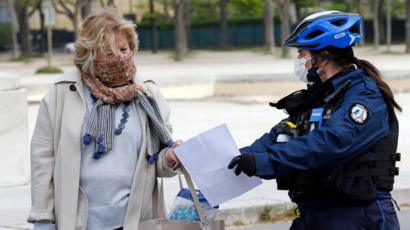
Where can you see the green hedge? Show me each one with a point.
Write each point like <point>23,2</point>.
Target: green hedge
<point>168,24</point>
<point>49,70</point>
<point>5,36</point>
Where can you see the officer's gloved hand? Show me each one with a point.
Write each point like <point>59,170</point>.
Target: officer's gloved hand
<point>244,163</point>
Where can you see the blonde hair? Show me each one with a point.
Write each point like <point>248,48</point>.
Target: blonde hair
<point>99,30</point>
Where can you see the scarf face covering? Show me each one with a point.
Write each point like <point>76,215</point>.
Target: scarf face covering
<point>114,83</point>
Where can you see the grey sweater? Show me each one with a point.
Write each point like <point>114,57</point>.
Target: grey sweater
<point>107,181</point>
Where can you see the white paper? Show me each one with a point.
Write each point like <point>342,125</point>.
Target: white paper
<point>206,158</point>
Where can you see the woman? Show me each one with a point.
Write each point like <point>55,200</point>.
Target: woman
<point>101,137</point>
<point>336,151</point>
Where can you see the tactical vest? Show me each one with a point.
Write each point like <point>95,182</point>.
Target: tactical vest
<point>357,180</point>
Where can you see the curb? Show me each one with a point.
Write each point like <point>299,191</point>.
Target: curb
<point>252,214</point>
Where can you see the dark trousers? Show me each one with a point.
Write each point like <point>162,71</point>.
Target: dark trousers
<point>377,215</point>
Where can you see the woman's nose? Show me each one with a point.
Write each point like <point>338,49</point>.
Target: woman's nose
<point>123,56</point>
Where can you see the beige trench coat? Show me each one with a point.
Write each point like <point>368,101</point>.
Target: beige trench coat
<point>56,159</point>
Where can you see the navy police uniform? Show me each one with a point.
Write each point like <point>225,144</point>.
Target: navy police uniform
<point>339,161</point>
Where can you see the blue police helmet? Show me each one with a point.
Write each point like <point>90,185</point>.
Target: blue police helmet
<point>327,28</point>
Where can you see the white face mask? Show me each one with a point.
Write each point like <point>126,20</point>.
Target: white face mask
<point>300,69</point>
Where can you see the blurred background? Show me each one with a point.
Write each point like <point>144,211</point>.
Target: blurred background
<point>184,25</point>
<point>216,61</point>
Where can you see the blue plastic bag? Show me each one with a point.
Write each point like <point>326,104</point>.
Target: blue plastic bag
<point>183,207</point>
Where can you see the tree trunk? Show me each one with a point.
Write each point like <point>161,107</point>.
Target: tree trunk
<point>359,11</point>
<point>14,29</point>
<point>76,26</point>
<point>25,35</point>
<point>349,4</point>
<point>130,6</point>
<point>407,26</point>
<point>388,24</point>
<point>283,5</point>
<point>165,8</point>
<point>285,28</point>
<point>382,23</point>
<point>74,13</point>
<point>154,38</point>
<point>110,3</point>
<point>298,10</point>
<point>223,23</point>
<point>269,32</point>
<point>43,32</point>
<point>179,28</point>
<point>376,28</point>
<point>86,8</point>
<point>187,24</point>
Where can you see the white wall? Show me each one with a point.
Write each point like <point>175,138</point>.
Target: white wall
<point>14,145</point>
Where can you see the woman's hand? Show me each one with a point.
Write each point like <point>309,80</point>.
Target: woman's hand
<point>171,160</point>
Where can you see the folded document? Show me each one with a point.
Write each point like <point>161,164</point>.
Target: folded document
<point>206,158</point>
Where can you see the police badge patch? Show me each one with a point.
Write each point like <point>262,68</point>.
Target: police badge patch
<point>359,114</point>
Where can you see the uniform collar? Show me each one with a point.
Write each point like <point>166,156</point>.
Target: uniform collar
<point>341,77</point>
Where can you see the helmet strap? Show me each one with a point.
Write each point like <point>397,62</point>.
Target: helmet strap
<point>313,75</point>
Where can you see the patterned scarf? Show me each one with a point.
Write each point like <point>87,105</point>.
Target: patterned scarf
<point>113,82</point>
<point>109,91</point>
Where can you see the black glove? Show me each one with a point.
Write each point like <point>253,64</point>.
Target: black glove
<point>245,163</point>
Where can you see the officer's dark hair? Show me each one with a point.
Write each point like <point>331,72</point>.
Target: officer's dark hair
<point>344,57</point>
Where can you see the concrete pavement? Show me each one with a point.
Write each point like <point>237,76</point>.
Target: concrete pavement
<point>403,216</point>
<point>216,73</point>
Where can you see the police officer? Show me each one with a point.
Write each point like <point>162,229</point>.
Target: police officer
<point>336,152</point>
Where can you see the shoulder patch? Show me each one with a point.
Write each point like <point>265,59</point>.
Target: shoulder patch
<point>359,113</point>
